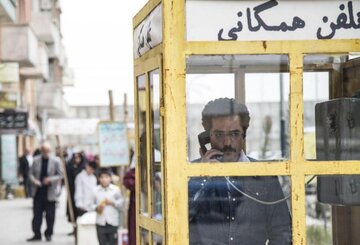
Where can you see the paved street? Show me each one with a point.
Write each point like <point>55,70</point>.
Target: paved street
<point>15,223</point>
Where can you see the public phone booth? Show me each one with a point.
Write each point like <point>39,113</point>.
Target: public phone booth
<point>279,58</point>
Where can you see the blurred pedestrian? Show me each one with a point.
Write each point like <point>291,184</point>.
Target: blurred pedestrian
<point>108,202</point>
<point>70,152</point>
<point>36,152</point>
<point>25,163</point>
<point>45,176</point>
<point>73,168</point>
<point>85,183</point>
<point>129,183</point>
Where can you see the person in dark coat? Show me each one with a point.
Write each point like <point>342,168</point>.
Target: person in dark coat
<point>25,162</point>
<point>73,168</point>
<point>224,210</point>
<point>129,183</point>
<point>45,176</point>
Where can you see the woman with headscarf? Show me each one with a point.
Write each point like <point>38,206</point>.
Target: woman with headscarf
<point>73,168</point>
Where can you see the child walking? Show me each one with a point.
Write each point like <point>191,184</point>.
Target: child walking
<point>108,202</point>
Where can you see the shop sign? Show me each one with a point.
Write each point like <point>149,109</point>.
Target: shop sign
<point>208,20</point>
<point>13,121</point>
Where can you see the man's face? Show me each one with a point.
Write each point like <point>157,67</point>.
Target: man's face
<point>226,135</point>
<point>45,151</point>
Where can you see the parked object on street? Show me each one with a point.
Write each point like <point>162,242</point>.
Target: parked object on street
<point>86,229</point>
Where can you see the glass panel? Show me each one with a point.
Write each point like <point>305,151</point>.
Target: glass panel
<point>333,215</point>
<point>318,217</point>
<point>155,87</point>
<point>142,157</point>
<point>332,210</point>
<point>157,239</point>
<point>144,237</point>
<point>230,89</point>
<point>316,89</point>
<point>268,103</point>
<point>331,127</point>
<point>239,210</point>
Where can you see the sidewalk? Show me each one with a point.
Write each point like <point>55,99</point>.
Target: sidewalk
<point>15,223</point>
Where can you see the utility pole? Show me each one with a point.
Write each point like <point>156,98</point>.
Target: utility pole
<point>111,106</point>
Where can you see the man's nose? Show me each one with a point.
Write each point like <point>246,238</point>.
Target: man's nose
<point>227,140</point>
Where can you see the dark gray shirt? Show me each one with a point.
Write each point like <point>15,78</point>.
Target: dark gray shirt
<point>219,214</point>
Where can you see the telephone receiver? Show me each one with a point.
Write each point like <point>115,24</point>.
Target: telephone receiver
<point>204,139</point>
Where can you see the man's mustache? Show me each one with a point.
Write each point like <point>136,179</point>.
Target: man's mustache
<point>228,149</point>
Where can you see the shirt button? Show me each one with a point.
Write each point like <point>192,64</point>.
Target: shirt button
<point>257,193</point>
<point>227,217</point>
<point>234,199</point>
<point>202,184</point>
<point>233,218</point>
<point>231,238</point>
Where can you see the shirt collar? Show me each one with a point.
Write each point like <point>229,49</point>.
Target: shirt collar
<point>243,157</point>
<point>106,188</point>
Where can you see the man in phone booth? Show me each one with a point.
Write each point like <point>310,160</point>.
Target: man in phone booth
<point>247,210</point>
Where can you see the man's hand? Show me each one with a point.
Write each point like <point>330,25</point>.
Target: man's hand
<point>210,155</point>
<point>37,183</point>
<point>46,181</point>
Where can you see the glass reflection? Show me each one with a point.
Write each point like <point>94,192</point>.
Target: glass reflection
<point>155,91</point>
<point>157,239</point>
<point>144,237</point>
<point>318,217</point>
<point>142,157</point>
<point>238,210</point>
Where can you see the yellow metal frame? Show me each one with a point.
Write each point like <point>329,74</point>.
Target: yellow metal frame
<point>145,66</point>
<point>176,169</point>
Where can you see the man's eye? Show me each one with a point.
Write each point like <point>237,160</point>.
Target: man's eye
<point>219,134</point>
<point>235,134</point>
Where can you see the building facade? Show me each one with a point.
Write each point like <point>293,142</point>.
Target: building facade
<point>32,74</point>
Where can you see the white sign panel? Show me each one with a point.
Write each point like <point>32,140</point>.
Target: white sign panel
<point>113,144</point>
<point>8,159</point>
<point>71,126</point>
<point>149,33</point>
<point>208,20</point>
